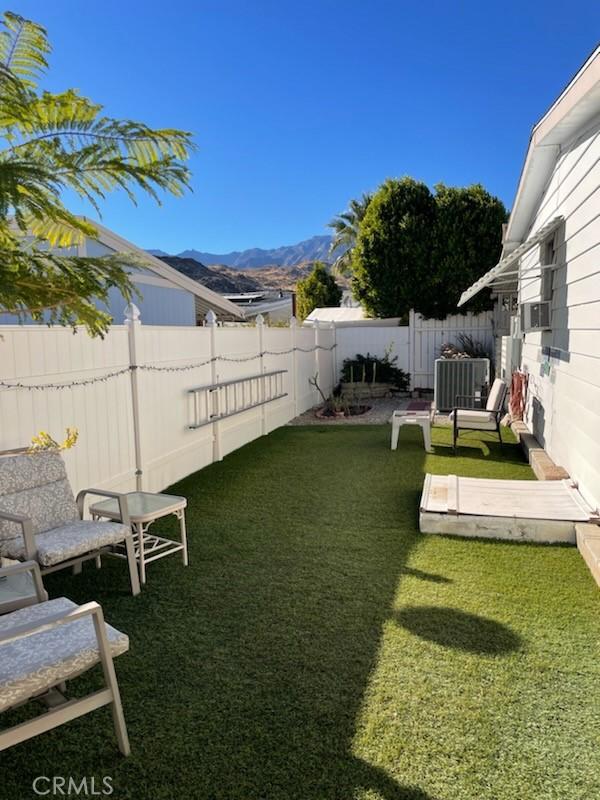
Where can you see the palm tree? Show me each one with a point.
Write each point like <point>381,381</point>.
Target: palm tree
<point>58,142</point>
<point>346,227</point>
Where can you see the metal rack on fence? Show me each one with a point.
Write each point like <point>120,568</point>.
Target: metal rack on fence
<point>214,401</point>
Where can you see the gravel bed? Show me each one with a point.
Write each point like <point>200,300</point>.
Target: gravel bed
<point>380,413</point>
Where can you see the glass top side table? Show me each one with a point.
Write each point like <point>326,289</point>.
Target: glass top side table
<point>144,509</point>
<point>18,589</point>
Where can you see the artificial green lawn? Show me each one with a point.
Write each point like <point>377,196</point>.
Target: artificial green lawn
<point>319,647</point>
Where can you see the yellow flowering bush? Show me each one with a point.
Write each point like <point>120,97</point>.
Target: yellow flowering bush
<point>43,441</point>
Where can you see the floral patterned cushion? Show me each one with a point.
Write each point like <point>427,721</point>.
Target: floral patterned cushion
<point>35,485</point>
<point>34,663</point>
<point>67,541</point>
<point>27,470</point>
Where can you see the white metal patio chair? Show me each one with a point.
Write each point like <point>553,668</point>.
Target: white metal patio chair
<point>44,645</point>
<point>41,521</point>
<point>471,418</point>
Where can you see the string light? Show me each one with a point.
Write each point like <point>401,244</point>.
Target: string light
<point>152,368</point>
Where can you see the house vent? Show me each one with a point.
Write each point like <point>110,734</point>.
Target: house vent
<point>467,377</point>
<point>535,316</point>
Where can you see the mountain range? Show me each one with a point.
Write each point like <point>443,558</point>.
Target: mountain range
<point>314,249</point>
<point>231,280</point>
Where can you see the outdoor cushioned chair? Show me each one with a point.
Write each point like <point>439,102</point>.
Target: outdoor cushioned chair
<point>48,643</point>
<point>40,520</point>
<point>464,418</point>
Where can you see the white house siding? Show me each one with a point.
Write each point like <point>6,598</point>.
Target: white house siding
<point>159,305</point>
<point>564,363</point>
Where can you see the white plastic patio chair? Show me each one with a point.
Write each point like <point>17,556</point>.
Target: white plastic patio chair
<point>40,520</point>
<point>488,419</point>
<point>44,645</point>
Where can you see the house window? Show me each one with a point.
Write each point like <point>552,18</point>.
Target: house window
<point>548,256</point>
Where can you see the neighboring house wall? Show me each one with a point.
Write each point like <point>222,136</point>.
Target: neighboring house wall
<point>166,297</point>
<point>160,302</point>
<point>159,305</point>
<point>563,409</point>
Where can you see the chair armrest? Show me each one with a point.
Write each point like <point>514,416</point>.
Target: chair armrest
<point>26,530</point>
<point>120,496</point>
<point>52,621</point>
<point>28,566</point>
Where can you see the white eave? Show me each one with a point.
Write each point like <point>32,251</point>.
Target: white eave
<point>208,299</point>
<point>573,110</point>
<point>576,106</point>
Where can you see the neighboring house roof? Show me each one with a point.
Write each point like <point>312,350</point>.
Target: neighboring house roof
<point>335,314</point>
<point>268,306</point>
<point>346,316</point>
<point>205,298</point>
<point>575,108</point>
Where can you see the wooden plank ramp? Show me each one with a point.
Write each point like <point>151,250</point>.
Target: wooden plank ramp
<point>533,511</point>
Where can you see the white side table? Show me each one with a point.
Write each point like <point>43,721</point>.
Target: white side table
<point>144,509</point>
<point>420,418</point>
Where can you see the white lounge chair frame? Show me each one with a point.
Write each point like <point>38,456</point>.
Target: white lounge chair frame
<point>61,710</point>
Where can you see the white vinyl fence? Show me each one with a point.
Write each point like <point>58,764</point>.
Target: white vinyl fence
<point>416,345</point>
<point>129,394</point>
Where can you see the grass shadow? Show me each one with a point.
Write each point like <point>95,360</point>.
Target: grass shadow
<point>247,670</point>
<point>426,576</point>
<point>459,630</point>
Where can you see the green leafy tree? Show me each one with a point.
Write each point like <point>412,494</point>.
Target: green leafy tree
<point>346,226</point>
<point>416,250</point>
<point>317,290</point>
<point>392,257</point>
<point>467,243</point>
<point>58,142</point>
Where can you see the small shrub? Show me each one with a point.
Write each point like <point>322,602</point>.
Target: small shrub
<point>370,369</point>
<point>466,347</point>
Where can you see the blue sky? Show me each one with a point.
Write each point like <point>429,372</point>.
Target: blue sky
<point>298,106</point>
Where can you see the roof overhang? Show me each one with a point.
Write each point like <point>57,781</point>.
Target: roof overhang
<point>502,277</point>
<point>208,299</point>
<point>575,108</point>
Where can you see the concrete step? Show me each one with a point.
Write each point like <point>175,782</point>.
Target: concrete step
<point>588,544</point>
<point>542,465</point>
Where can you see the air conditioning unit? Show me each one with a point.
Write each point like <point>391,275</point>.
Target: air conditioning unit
<point>535,316</point>
<point>467,377</point>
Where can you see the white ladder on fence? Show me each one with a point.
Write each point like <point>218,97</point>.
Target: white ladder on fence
<point>214,401</point>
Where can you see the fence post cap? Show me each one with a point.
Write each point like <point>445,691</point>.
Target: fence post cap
<point>210,317</point>
<point>132,313</point>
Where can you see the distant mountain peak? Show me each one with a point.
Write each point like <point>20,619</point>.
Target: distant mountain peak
<point>314,249</point>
